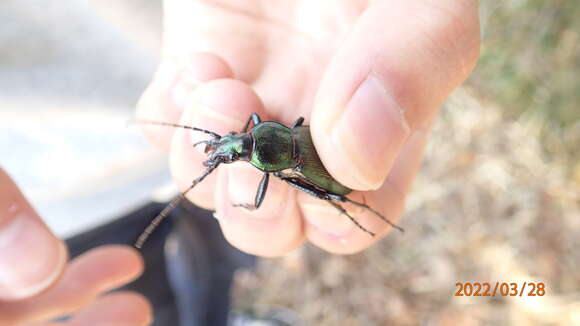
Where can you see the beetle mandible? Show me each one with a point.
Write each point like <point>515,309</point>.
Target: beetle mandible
<point>286,152</point>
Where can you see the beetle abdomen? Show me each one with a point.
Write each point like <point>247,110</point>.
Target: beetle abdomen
<point>273,147</point>
<point>311,166</point>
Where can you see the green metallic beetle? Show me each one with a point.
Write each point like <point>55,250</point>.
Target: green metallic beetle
<point>273,148</point>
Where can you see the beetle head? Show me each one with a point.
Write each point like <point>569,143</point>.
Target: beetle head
<point>228,149</point>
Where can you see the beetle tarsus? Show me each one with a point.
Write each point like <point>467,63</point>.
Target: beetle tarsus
<point>321,194</point>
<point>364,205</point>
<point>249,207</point>
<point>343,211</point>
<point>255,118</point>
<point>297,123</point>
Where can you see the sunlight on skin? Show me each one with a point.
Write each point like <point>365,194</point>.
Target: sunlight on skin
<point>369,78</point>
<point>38,284</point>
<point>85,279</point>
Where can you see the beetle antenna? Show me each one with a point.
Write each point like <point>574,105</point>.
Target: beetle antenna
<point>157,220</point>
<point>158,123</point>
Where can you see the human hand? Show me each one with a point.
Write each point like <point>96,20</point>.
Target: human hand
<point>369,77</point>
<point>37,284</point>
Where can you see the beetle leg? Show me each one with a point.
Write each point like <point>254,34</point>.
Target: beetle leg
<point>301,186</point>
<point>201,142</point>
<point>253,118</point>
<point>321,194</point>
<point>343,211</point>
<point>297,123</point>
<point>259,195</point>
<point>262,190</point>
<point>364,205</point>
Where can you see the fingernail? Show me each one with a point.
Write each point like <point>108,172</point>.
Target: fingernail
<point>31,259</point>
<point>370,133</point>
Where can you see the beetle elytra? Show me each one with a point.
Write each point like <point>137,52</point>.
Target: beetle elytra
<point>286,152</point>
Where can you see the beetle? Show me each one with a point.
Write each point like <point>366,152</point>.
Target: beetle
<point>273,148</point>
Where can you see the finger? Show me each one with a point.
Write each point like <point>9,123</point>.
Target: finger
<point>95,272</point>
<point>223,28</point>
<point>332,231</point>
<point>31,257</point>
<point>220,106</point>
<point>388,78</point>
<point>408,162</point>
<point>116,309</point>
<point>223,106</point>
<point>273,229</point>
<point>121,308</point>
<point>336,233</point>
<point>174,81</point>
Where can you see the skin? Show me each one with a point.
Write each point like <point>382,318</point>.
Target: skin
<point>369,77</point>
<point>222,62</point>
<point>38,283</point>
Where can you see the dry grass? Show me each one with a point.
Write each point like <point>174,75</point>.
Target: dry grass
<point>530,66</point>
<point>487,207</point>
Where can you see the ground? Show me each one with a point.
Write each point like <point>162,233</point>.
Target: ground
<point>489,205</point>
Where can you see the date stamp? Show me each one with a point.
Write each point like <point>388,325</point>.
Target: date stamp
<point>504,289</point>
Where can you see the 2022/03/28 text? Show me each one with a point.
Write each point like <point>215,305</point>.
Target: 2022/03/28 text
<point>504,289</point>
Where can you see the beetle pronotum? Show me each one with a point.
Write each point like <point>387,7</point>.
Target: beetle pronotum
<point>286,152</point>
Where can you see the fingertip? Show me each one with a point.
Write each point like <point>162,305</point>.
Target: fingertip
<point>360,146</point>
<point>344,243</point>
<point>224,104</point>
<point>119,308</point>
<point>379,87</point>
<point>88,276</point>
<point>408,163</point>
<point>242,185</point>
<point>155,104</point>
<point>130,256</point>
<point>335,232</point>
<point>120,264</point>
<point>220,106</point>
<point>31,258</point>
<point>204,66</point>
<point>173,83</point>
<point>272,230</point>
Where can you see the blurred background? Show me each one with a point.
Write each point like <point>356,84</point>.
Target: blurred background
<point>498,198</point>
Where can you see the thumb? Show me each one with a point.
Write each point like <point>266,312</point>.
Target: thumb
<point>387,80</point>
<point>31,257</point>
